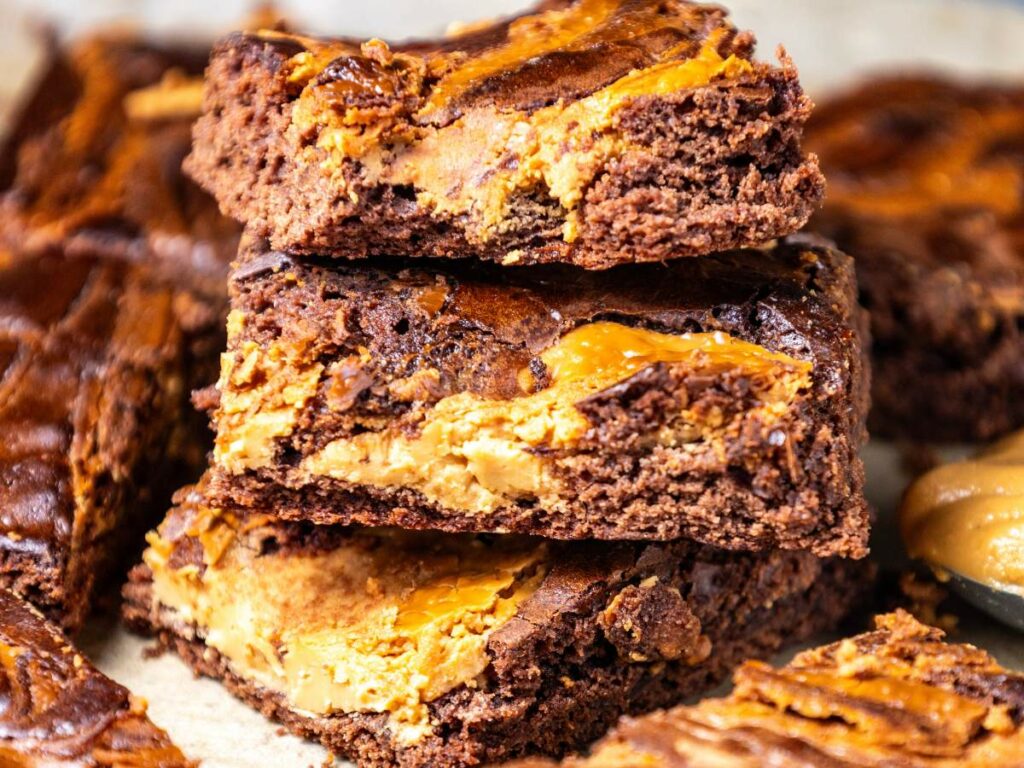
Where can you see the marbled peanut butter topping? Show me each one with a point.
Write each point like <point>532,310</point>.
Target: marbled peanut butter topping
<point>927,155</point>
<point>385,621</point>
<point>968,516</point>
<point>56,709</point>
<point>898,696</point>
<point>535,101</point>
<point>473,452</point>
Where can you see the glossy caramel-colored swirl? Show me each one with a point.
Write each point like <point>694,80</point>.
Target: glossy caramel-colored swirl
<point>908,148</point>
<point>968,517</point>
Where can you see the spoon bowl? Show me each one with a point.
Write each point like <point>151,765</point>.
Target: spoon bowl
<point>1003,605</point>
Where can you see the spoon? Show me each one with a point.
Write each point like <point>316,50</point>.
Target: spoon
<point>1005,605</point>
<point>966,520</point>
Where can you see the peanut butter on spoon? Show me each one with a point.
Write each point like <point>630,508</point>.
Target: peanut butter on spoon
<point>966,519</point>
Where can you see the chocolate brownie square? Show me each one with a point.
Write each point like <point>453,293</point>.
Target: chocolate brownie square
<point>93,397</point>
<point>720,398</point>
<point>926,192</point>
<point>59,710</point>
<point>594,132</point>
<point>896,696</point>
<point>410,648</point>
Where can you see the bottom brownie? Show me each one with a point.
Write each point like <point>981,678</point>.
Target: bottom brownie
<point>898,696</point>
<point>56,709</point>
<point>398,648</point>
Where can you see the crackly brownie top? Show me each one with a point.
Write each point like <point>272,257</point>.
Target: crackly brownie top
<point>790,297</point>
<point>561,51</point>
<point>897,696</point>
<point>69,329</point>
<point>94,157</point>
<point>57,709</point>
<point>898,147</point>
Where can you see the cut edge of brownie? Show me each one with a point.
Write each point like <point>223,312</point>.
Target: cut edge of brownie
<point>593,622</point>
<point>804,493</point>
<point>720,167</point>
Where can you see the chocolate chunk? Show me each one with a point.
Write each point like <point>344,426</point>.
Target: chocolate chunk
<point>652,622</point>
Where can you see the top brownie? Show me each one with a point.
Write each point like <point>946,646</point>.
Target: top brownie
<point>595,133</point>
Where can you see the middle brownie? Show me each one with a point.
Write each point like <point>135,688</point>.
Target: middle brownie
<point>720,399</point>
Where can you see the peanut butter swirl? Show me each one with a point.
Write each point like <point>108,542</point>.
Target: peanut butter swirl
<point>968,517</point>
<point>935,148</point>
<point>476,453</point>
<point>381,621</point>
<point>94,160</point>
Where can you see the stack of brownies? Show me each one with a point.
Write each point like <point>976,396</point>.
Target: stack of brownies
<point>478,506</point>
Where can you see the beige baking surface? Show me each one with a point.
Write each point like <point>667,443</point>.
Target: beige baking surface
<point>831,40</point>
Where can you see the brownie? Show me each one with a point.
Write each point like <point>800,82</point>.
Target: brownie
<point>720,398</point>
<point>897,696</point>
<point>926,192</point>
<point>597,132</point>
<point>92,166</point>
<point>93,369</point>
<point>59,710</point>
<point>93,161</point>
<point>405,648</point>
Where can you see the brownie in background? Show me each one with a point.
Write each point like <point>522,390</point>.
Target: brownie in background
<point>926,192</point>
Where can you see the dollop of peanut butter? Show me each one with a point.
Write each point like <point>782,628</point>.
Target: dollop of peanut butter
<point>968,517</point>
<point>386,621</point>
